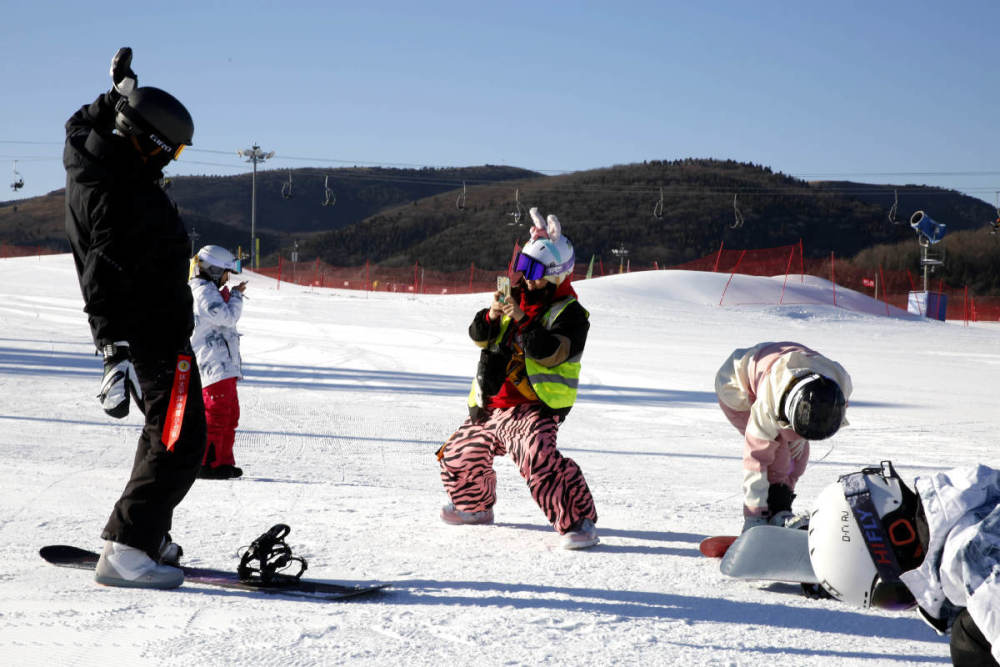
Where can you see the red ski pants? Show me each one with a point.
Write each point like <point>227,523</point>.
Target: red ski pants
<point>556,483</point>
<point>222,416</point>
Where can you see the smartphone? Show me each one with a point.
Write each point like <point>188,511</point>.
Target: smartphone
<point>503,286</point>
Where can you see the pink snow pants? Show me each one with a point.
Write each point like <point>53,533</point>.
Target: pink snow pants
<point>556,483</point>
<point>772,456</point>
<point>222,416</point>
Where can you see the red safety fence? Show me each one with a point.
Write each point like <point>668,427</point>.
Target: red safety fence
<point>892,288</point>
<point>8,250</point>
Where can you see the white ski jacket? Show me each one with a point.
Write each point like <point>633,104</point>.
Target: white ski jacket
<point>962,565</point>
<point>215,340</point>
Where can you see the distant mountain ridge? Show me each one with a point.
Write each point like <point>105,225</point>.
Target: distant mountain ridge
<point>217,208</point>
<point>667,212</point>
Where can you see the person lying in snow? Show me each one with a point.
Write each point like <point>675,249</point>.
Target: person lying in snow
<point>874,542</point>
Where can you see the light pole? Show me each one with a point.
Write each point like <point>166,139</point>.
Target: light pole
<point>254,154</point>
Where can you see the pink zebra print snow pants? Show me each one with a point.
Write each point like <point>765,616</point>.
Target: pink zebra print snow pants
<point>556,482</point>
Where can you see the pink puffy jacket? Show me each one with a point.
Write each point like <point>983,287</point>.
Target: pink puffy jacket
<point>750,386</point>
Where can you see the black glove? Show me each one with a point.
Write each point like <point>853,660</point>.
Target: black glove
<point>119,380</point>
<point>124,79</point>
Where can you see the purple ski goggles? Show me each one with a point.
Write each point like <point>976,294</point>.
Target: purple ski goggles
<point>530,267</point>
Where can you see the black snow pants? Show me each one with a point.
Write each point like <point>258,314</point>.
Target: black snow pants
<point>160,477</point>
<point>969,647</point>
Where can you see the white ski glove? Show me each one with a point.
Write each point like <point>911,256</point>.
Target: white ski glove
<point>119,380</point>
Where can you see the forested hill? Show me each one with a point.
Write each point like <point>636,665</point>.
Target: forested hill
<point>704,202</point>
<point>310,200</point>
<point>665,212</point>
<point>218,208</point>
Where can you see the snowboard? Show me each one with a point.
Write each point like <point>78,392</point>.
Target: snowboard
<point>770,553</point>
<point>716,547</point>
<point>74,557</point>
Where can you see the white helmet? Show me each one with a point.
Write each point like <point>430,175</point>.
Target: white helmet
<point>214,260</point>
<point>548,254</point>
<point>863,535</point>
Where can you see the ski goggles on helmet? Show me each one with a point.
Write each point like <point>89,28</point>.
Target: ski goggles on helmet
<point>891,539</point>
<point>530,267</point>
<point>891,596</point>
<point>152,141</point>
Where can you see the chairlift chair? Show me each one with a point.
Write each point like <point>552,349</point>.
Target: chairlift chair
<point>518,211</point>
<point>18,180</point>
<point>737,214</point>
<point>658,207</point>
<point>286,189</point>
<point>894,209</point>
<point>329,197</point>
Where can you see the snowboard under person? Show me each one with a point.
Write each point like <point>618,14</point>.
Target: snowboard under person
<point>216,344</point>
<point>779,396</point>
<point>131,255</point>
<point>525,385</point>
<point>873,542</point>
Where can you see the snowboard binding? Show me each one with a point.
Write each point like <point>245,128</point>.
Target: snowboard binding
<point>264,562</point>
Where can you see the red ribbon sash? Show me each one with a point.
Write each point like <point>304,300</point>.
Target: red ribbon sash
<point>178,401</point>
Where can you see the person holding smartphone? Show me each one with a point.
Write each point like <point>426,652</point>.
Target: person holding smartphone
<point>526,383</point>
<point>216,342</point>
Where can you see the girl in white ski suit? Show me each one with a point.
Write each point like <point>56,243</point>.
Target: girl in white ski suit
<point>959,578</point>
<point>216,344</point>
<point>750,386</point>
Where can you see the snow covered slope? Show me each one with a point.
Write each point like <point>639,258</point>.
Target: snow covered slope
<point>347,397</point>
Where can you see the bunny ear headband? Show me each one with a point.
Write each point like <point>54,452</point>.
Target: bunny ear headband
<point>550,229</point>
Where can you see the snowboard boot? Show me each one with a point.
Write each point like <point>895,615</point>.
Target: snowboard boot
<point>583,534</point>
<point>790,520</point>
<point>224,471</point>
<point>456,517</point>
<point>170,552</point>
<point>128,567</point>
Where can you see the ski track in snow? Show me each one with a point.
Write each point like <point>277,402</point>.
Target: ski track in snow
<point>346,399</point>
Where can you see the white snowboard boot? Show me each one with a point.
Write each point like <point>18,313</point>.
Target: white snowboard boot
<point>456,517</point>
<point>582,535</point>
<point>128,567</point>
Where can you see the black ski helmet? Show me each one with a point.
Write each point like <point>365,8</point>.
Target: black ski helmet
<point>156,116</point>
<point>814,405</point>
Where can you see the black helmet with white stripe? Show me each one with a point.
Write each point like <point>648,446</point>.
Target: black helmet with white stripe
<point>814,406</point>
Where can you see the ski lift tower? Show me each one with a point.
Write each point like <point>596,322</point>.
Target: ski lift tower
<point>621,252</point>
<point>254,155</point>
<point>929,232</point>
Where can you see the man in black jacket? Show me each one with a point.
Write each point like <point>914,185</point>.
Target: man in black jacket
<point>131,254</point>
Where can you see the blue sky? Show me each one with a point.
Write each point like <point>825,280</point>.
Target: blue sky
<point>885,92</point>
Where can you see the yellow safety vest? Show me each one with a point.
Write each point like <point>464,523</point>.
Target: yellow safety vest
<point>555,386</point>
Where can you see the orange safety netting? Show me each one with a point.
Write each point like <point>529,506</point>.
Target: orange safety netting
<point>889,287</point>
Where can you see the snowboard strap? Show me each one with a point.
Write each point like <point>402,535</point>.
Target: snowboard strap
<point>859,498</point>
<point>263,561</point>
